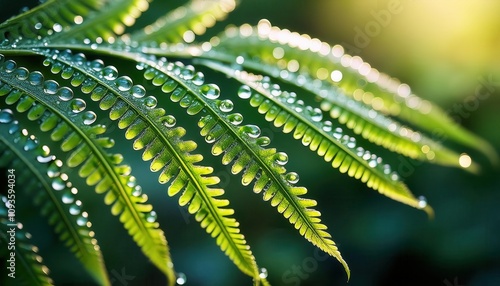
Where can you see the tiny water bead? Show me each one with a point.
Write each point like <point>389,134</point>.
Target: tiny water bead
<point>422,202</point>
<point>6,116</point>
<point>78,105</point>
<point>181,278</point>
<point>210,91</point>
<point>244,92</point>
<point>263,273</point>
<point>151,217</point>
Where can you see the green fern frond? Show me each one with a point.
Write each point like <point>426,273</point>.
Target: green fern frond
<point>45,19</point>
<point>57,200</point>
<point>29,267</point>
<point>184,22</point>
<point>300,54</point>
<point>242,147</point>
<point>65,117</point>
<point>156,133</point>
<point>285,110</point>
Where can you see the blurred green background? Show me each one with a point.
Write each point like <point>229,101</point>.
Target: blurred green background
<point>448,52</point>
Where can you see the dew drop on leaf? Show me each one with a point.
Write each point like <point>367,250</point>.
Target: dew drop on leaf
<point>21,73</point>
<point>263,273</point>
<point>198,78</point>
<point>422,202</point>
<point>110,73</point>
<point>281,158</point>
<point>89,117</point>
<point>292,177</point>
<point>74,209</point>
<point>150,102</point>
<point>210,91</point>
<point>244,92</point>
<point>50,87</point>
<point>58,184</point>
<point>263,141</point>
<point>181,278</point>
<point>138,91</point>
<point>9,66</point>
<point>78,105</point>
<point>81,221</point>
<point>35,78</point>
<point>65,93</point>
<point>67,197</point>
<point>6,116</point>
<point>226,105</point>
<point>168,121</point>
<point>151,217</point>
<point>253,131</point>
<point>327,126</point>
<point>123,83</point>
<point>235,118</point>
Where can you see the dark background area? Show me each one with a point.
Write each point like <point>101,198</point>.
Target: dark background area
<point>446,52</point>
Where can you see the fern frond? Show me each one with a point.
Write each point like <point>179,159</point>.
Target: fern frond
<point>29,266</point>
<point>300,54</point>
<point>242,147</point>
<point>156,133</point>
<point>52,193</point>
<point>184,22</point>
<point>45,19</point>
<point>286,111</point>
<point>65,117</point>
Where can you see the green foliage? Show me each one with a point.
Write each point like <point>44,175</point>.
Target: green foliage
<point>51,74</point>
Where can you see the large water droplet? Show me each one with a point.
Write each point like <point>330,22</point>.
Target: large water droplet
<point>78,105</point>
<point>327,126</point>
<point>30,144</point>
<point>292,177</point>
<point>138,91</point>
<point>315,114</point>
<point>150,102</point>
<point>96,65</point>
<point>50,87</point>
<point>21,73</point>
<point>210,91</point>
<point>337,134</point>
<point>235,118</point>
<point>181,278</point>
<point>81,220</point>
<point>74,209</point>
<point>198,78</point>
<point>67,197</point>
<point>123,83</point>
<point>58,184</point>
<point>110,73</point>
<point>35,78</point>
<point>281,158</point>
<point>6,116</point>
<point>9,66</point>
<point>263,141</point>
<point>244,92</point>
<point>263,273</point>
<point>253,131</point>
<point>422,202</point>
<point>151,217</point>
<point>89,117</point>
<point>64,93</point>
<point>53,170</point>
<point>226,105</point>
<point>137,191</point>
<point>188,72</point>
<point>168,121</point>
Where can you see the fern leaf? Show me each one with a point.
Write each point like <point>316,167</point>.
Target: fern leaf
<point>184,22</point>
<point>286,111</point>
<point>297,53</point>
<point>242,147</point>
<point>58,200</point>
<point>66,118</point>
<point>156,133</point>
<point>29,265</point>
<point>46,19</point>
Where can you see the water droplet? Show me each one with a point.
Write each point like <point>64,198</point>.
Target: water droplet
<point>150,102</point>
<point>210,139</point>
<point>79,59</point>
<point>110,73</point>
<point>315,114</point>
<point>21,73</point>
<point>78,105</point>
<point>138,91</point>
<point>226,105</point>
<point>394,176</point>
<point>53,170</point>
<point>351,143</point>
<point>244,92</point>
<point>292,177</point>
<point>57,27</point>
<point>465,160</point>
<point>181,278</point>
<point>235,118</point>
<point>67,197</point>
<point>35,78</point>
<point>263,141</point>
<point>137,191</point>
<point>89,117</point>
<point>327,126</point>
<point>38,26</point>
<point>422,202</point>
<point>9,66</point>
<point>65,93</point>
<point>30,144</point>
<point>6,116</point>
<point>67,72</point>
<point>188,72</point>
<point>263,273</point>
<point>372,163</point>
<point>50,87</point>
<point>123,83</point>
<point>210,91</point>
<point>168,121</point>
<point>74,209</point>
<point>96,65</point>
<point>337,134</point>
<point>151,217</point>
<point>58,184</point>
<point>281,158</point>
<point>81,221</point>
<point>253,131</point>
<point>198,78</point>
